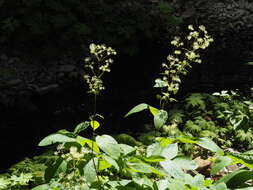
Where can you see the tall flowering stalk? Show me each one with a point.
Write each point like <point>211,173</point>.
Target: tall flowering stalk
<point>96,65</point>
<point>180,61</point>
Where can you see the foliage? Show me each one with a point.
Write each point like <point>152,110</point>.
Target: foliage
<point>219,116</point>
<point>101,162</point>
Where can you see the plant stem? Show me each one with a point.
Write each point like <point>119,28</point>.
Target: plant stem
<point>93,133</point>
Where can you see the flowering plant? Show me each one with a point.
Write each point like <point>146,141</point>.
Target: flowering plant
<point>183,56</point>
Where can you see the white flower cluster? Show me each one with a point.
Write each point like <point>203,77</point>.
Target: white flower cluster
<point>74,154</point>
<point>181,60</point>
<point>96,65</point>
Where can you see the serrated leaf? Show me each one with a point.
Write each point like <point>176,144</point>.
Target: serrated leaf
<point>109,145</point>
<point>94,124</point>
<point>160,119</point>
<point>55,138</point>
<point>137,109</point>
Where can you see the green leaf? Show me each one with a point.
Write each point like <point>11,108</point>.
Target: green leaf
<point>186,139</point>
<point>172,169</point>
<point>143,181</point>
<point>126,149</point>
<point>53,170</point>
<point>139,167</point>
<point>42,187</point>
<point>55,138</point>
<point>210,145</point>
<point>160,119</point>
<point>103,164</point>
<point>81,127</point>
<point>185,163</point>
<point>111,161</point>
<point>170,152</point>
<point>109,145</point>
<point>162,184</point>
<point>137,109</point>
<point>155,158</point>
<point>89,170</point>
<point>94,124</point>
<point>220,163</point>
<point>237,179</point>
<point>92,144</point>
<point>245,162</point>
<point>153,110</point>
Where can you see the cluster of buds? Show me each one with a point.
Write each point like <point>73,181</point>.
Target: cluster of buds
<point>181,59</point>
<point>96,65</point>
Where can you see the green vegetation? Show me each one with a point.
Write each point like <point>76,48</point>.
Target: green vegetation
<point>201,125</point>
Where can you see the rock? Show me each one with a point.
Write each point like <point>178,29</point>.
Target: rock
<point>204,166</point>
<point>47,89</point>
<point>13,82</point>
<point>67,68</point>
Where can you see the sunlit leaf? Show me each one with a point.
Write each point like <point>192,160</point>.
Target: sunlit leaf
<point>94,124</point>
<point>55,138</point>
<point>137,109</point>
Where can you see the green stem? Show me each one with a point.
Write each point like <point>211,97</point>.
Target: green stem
<point>93,133</point>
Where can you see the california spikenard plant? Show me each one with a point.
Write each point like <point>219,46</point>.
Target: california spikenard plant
<point>102,163</point>
<point>186,52</point>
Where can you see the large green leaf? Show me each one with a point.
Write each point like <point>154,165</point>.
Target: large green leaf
<point>220,163</point>
<point>109,145</point>
<point>137,109</point>
<point>237,179</point>
<point>89,170</point>
<point>172,169</point>
<point>139,167</point>
<point>170,151</point>
<point>143,181</point>
<point>160,119</point>
<point>111,161</point>
<point>185,163</point>
<point>162,184</point>
<point>210,145</point>
<point>103,164</point>
<point>92,144</point>
<point>55,138</point>
<point>126,149</point>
